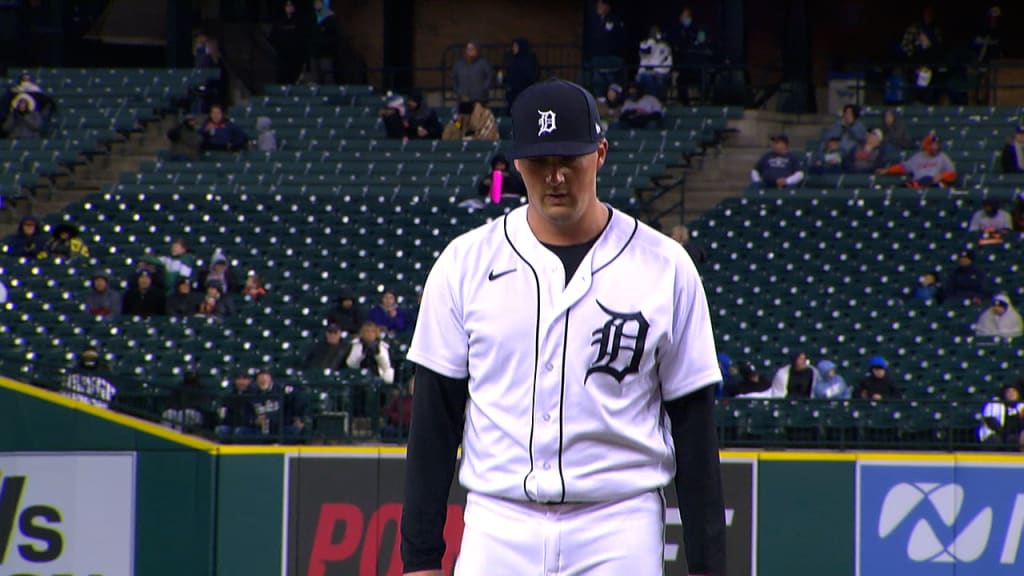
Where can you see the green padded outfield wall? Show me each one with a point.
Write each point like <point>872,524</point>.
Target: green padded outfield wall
<point>193,507</point>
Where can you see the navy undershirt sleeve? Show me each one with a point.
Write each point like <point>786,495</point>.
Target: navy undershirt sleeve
<point>438,418</point>
<point>698,480</point>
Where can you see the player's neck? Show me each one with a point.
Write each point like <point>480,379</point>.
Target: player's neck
<point>588,227</point>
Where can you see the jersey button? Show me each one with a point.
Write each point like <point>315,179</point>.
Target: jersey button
<point>549,366</point>
<point>547,417</point>
<point>547,466</point>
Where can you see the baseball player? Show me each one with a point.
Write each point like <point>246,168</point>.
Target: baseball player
<point>568,348</point>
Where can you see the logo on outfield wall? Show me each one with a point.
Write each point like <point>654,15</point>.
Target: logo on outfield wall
<point>69,514</point>
<point>342,516</point>
<point>932,520</point>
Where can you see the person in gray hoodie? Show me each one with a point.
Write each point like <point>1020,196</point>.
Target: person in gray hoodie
<point>103,300</point>
<point>266,141</point>
<point>830,385</point>
<point>472,75</point>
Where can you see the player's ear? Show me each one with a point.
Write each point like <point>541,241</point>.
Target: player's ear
<point>602,153</point>
<point>516,164</point>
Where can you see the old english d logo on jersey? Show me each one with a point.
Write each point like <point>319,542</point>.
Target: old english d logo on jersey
<point>619,344</point>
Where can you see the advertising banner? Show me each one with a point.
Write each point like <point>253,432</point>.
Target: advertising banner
<point>942,519</point>
<point>342,515</point>
<point>71,514</point>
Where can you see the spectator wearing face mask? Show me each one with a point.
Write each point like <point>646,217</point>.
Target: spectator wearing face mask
<point>655,64</point>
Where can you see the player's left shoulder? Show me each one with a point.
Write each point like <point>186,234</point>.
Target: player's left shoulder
<point>648,243</point>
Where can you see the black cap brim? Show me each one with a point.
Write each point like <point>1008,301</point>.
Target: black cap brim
<point>543,149</point>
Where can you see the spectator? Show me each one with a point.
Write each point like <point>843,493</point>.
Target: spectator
<point>279,410</point>
<point>1001,320</point>
<point>326,354</point>
<point>690,51</point>
<point>324,43</point>
<point>90,381</point>
<point>472,76</point>
<point>266,139</point>
<point>829,159</point>
<point>186,142</point>
<point>220,274</point>
<point>830,385</point>
<point>28,241</point>
<point>731,378</point>
<point>221,133</point>
<point>237,409</point>
<point>1002,419</point>
<point>927,291</point>
<point>511,181</point>
<point>473,122</point>
<point>968,281</point>
<point>288,37</point>
<point>3,293</point>
<point>871,157</point>
<point>348,315</point>
<point>877,385</point>
<point>183,302</point>
<point>208,56</point>
<point>180,264</point>
<point>929,167</point>
<point>144,299</point>
<point>206,52</point>
<point>848,128</point>
<point>655,64</point>
<point>521,69</point>
<point>216,304</point>
<point>894,131</point>
<point>423,122</point>
<point>753,384</point>
<point>796,379</point>
<point>922,47</point>
<point>778,168</point>
<point>368,352</point>
<point>253,288</point>
<point>23,122</point>
<point>609,106</point>
<point>1012,157</point>
<point>1017,216</point>
<point>66,243</point>
<point>681,234</point>
<point>155,268</point>
<point>103,300</point>
<point>602,45</point>
<point>641,110</point>
<point>27,85</point>
<point>388,315</point>
<point>396,123</point>
<point>988,41</point>
<point>990,218</point>
<point>186,410</point>
<point>398,414</point>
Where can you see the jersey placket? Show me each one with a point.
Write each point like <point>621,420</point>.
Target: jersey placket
<point>547,482</point>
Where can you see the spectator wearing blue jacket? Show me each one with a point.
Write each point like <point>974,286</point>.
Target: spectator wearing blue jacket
<point>388,315</point>
<point>849,129</point>
<point>221,133</point>
<point>778,168</point>
<point>831,385</point>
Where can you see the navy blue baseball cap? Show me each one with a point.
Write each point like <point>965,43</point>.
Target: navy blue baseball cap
<point>555,118</point>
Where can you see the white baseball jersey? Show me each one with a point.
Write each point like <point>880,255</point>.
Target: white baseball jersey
<point>566,381</point>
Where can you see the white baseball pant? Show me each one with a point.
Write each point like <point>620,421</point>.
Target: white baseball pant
<point>503,537</point>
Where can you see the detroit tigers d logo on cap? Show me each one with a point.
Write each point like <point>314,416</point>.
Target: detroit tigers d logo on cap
<point>546,122</point>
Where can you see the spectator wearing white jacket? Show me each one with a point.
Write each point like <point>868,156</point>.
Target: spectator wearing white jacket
<point>655,64</point>
<point>796,379</point>
<point>368,352</point>
<point>1001,320</point>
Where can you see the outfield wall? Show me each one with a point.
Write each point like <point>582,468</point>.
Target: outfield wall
<point>84,491</point>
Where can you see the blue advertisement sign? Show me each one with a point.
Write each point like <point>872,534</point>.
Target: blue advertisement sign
<point>939,519</point>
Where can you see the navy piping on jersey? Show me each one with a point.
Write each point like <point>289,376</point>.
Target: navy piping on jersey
<point>636,226</point>
<point>536,354</point>
<point>561,406</point>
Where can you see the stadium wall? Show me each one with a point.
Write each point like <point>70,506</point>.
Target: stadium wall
<point>166,503</point>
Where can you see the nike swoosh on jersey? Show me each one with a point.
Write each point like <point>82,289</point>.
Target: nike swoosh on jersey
<point>492,276</point>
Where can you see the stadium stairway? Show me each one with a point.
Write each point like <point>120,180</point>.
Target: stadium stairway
<point>88,178</point>
<point>725,171</point>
